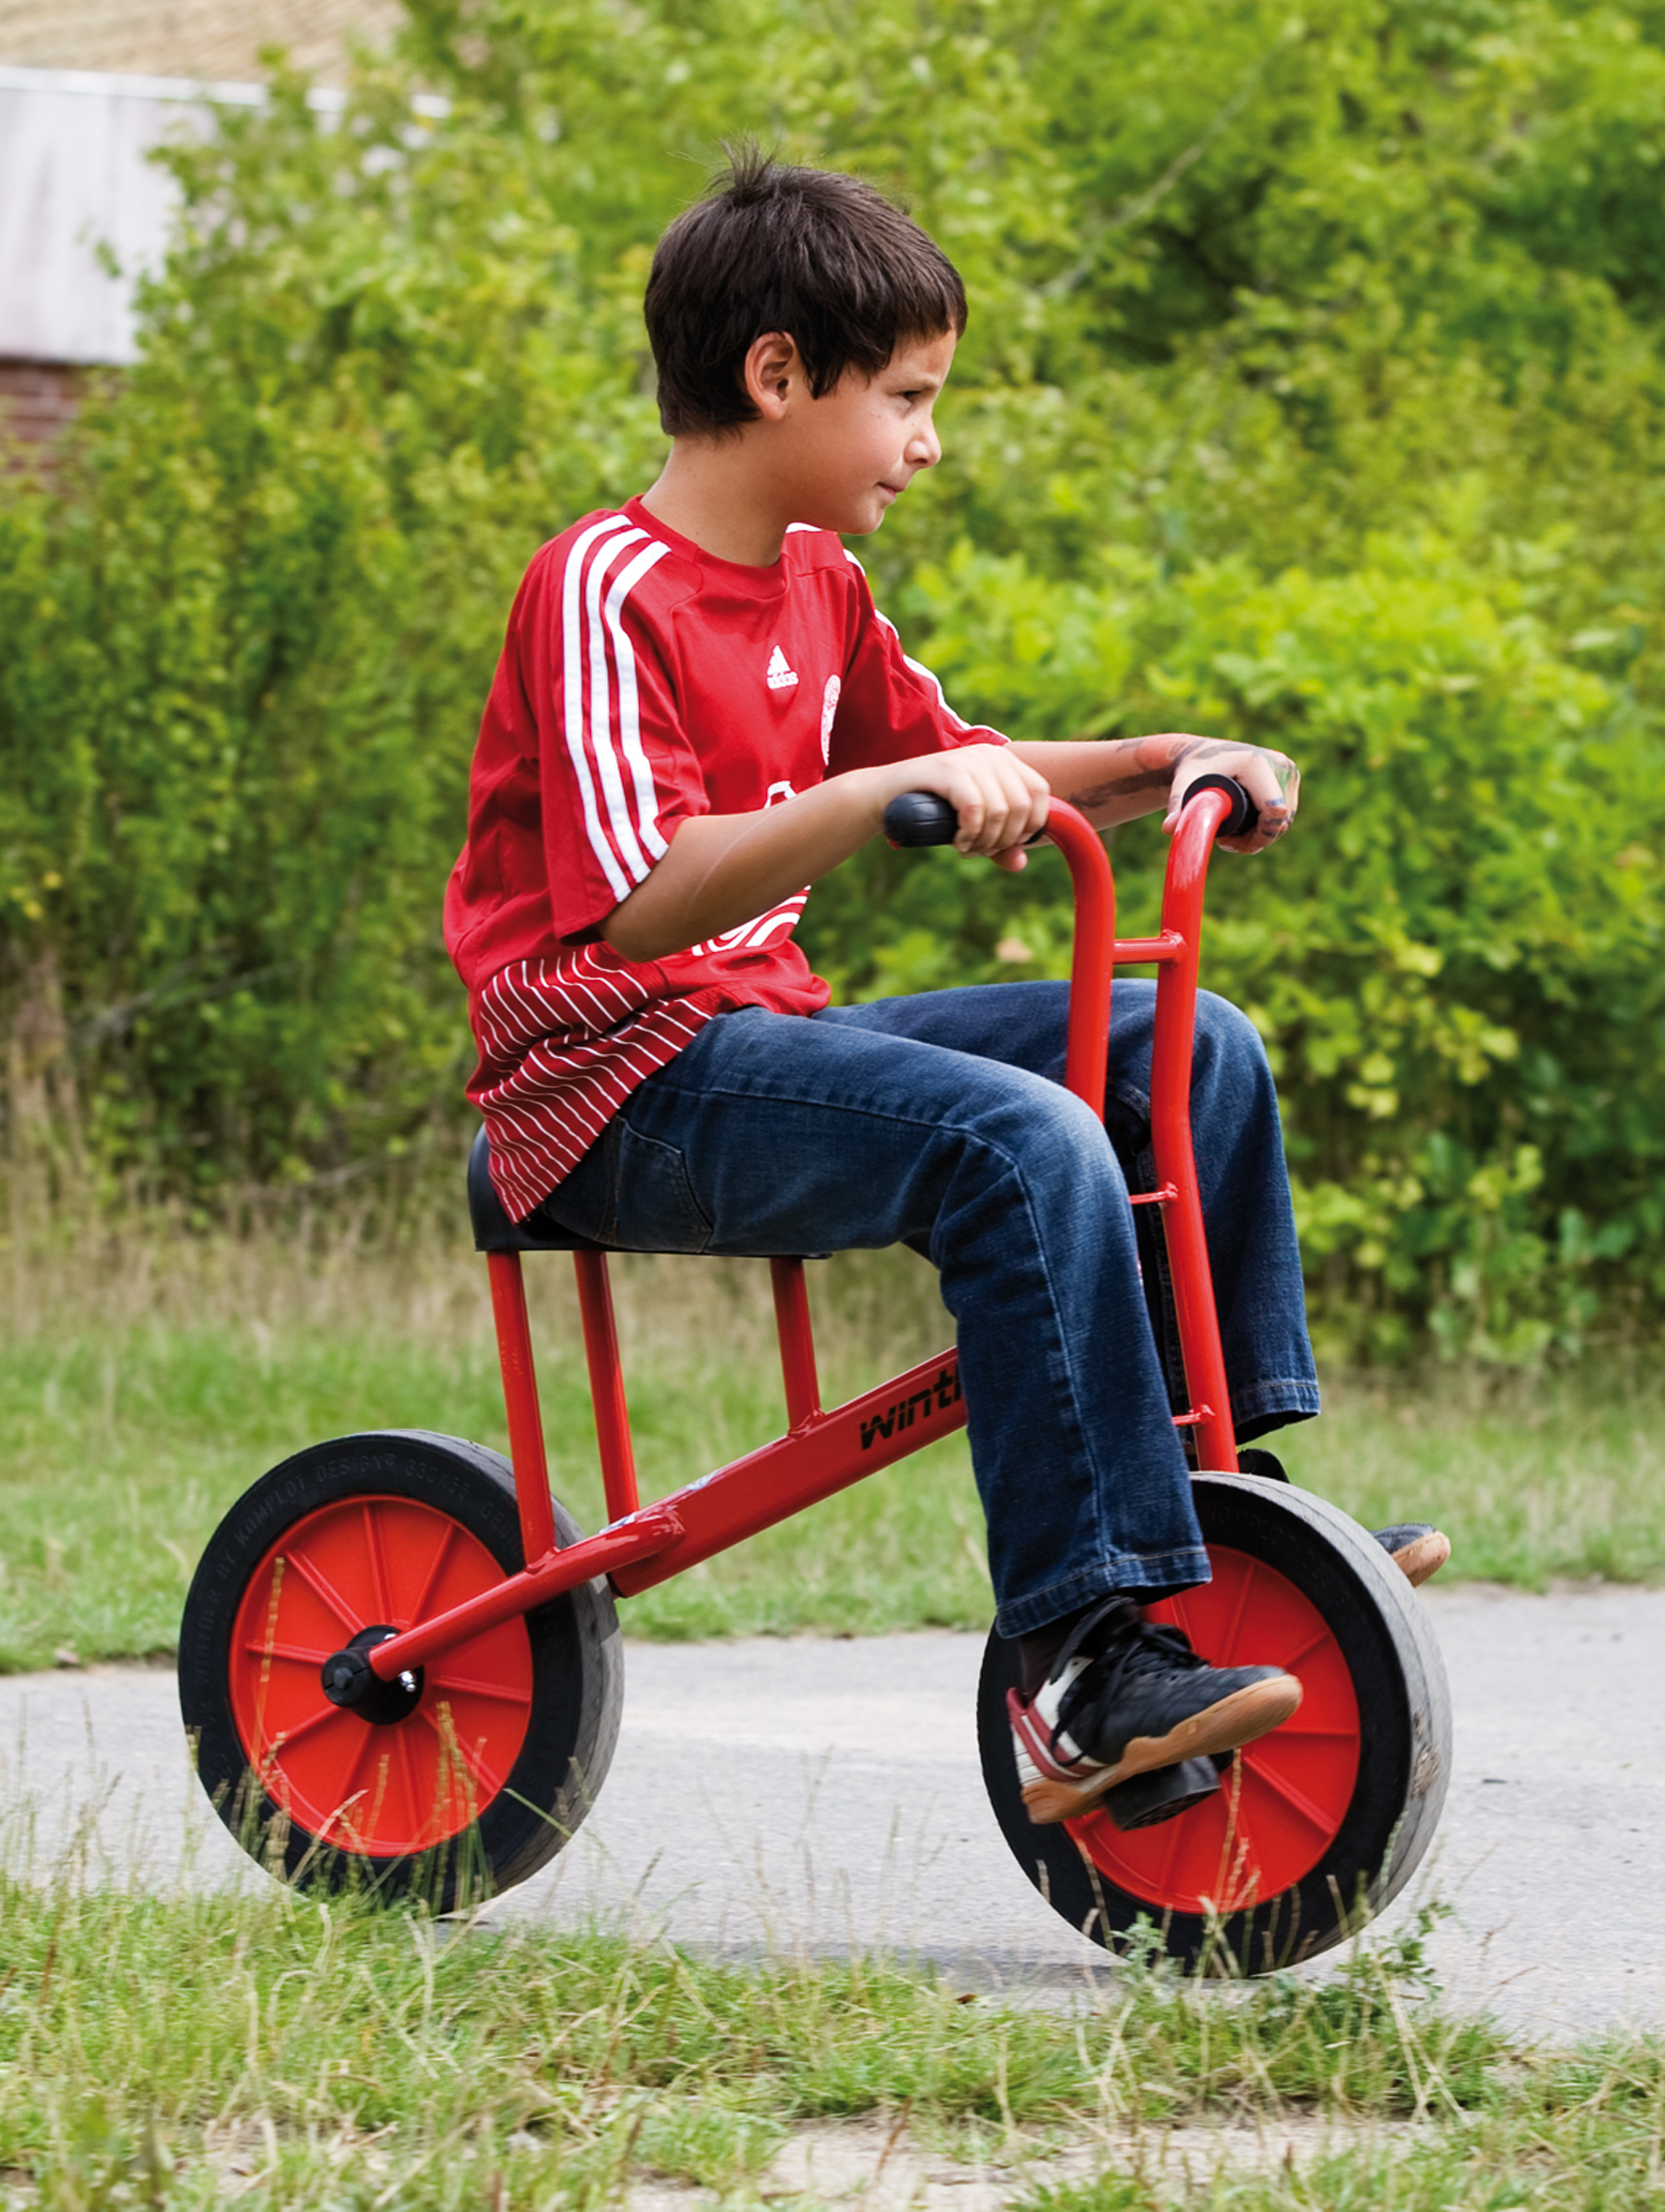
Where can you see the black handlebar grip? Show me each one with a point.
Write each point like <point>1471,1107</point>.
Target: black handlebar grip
<point>920,817</point>
<point>1244,817</point>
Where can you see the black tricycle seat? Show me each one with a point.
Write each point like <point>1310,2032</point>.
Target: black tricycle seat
<point>494,1231</point>
<point>539,1231</point>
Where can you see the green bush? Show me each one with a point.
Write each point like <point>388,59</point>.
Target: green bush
<point>1313,392</point>
<point>1455,963</point>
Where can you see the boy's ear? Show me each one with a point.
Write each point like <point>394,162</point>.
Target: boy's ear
<point>772,369</point>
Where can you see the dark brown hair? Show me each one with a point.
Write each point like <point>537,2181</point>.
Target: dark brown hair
<point>817,254</point>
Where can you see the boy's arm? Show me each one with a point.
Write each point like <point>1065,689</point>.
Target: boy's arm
<point>1113,779</point>
<point>722,869</point>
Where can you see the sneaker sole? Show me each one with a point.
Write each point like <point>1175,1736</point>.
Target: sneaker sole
<point>1424,1558</point>
<point>1242,1718</point>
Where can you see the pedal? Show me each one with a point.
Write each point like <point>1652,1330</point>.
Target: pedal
<point>1144,1800</point>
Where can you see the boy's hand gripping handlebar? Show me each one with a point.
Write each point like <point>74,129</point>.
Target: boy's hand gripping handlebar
<point>1244,817</point>
<point>921,818</point>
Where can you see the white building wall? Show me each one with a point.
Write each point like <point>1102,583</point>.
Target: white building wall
<point>74,180</point>
<point>76,186</point>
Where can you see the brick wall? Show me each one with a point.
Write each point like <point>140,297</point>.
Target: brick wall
<point>37,399</point>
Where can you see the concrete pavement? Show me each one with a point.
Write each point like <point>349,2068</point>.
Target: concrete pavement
<point>826,1794</point>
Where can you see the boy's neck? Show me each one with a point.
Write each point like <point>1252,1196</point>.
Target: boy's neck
<point>719,492</point>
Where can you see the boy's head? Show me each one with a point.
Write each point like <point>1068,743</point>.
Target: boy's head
<point>817,256</point>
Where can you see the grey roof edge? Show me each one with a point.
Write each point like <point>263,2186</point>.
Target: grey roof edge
<point>323,99</point>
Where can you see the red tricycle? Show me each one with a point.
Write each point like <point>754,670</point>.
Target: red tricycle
<point>400,1660</point>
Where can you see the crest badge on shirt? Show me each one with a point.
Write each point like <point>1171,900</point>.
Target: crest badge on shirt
<point>830,698</point>
<point>782,675</point>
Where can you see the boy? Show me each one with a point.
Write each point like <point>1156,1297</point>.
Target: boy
<point>699,712</point>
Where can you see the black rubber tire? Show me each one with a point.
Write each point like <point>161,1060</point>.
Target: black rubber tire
<point>1398,1678</point>
<point>577,1673</point>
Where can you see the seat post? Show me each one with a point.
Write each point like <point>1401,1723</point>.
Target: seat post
<point>607,1390</point>
<point>797,1344</point>
<point>519,1402</point>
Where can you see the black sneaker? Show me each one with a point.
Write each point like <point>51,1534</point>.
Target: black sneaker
<point>1416,1547</point>
<point>1125,1697</point>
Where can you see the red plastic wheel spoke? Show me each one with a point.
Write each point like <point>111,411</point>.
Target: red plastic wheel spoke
<point>302,1654</point>
<point>379,1820</point>
<point>1227,1646</point>
<point>449,1685</point>
<point>442,1553</point>
<point>472,1760</point>
<point>298,1731</point>
<point>377,1567</point>
<point>1298,1802</point>
<point>420,1815</point>
<point>348,1781</point>
<point>323,1588</point>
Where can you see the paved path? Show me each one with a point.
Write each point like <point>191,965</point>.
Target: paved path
<point>827,1794</point>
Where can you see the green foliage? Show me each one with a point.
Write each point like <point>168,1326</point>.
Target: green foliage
<point>1313,392</point>
<point>1455,962</point>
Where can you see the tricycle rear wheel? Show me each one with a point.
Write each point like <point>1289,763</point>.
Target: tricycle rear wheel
<point>482,1767</point>
<point>1315,1827</point>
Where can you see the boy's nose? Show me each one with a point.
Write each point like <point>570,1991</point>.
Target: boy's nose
<point>925,448</point>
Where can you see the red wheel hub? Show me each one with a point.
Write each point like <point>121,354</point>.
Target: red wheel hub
<point>1283,1798</point>
<point>390,1790</point>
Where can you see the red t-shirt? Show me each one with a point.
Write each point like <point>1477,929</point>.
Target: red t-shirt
<point>643,682</point>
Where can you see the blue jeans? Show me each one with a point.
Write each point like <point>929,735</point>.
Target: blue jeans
<point>941,1122</point>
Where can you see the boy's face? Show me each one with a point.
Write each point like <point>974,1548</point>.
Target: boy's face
<point>845,458</point>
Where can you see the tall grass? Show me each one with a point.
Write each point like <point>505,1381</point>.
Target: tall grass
<point>180,2051</point>
<point>272,2051</point>
<point>149,1372</point>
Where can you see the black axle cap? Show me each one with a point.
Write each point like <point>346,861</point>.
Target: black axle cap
<point>350,1682</point>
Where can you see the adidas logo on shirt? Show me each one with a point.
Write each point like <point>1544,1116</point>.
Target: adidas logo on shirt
<point>780,678</point>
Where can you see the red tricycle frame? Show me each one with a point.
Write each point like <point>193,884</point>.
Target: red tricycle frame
<point>825,1450</point>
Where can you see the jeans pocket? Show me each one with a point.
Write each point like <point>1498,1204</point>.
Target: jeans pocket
<point>654,1208</point>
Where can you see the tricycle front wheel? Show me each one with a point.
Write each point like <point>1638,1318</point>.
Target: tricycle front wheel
<point>474,1770</point>
<point>1316,1826</point>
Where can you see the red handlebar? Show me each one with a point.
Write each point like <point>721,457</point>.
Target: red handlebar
<point>1091,963</point>
<point>1175,951</point>
<point>1209,1412</point>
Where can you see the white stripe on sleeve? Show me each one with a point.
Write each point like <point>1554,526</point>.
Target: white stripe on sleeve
<point>572,685</point>
<point>629,712</point>
<point>601,746</point>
